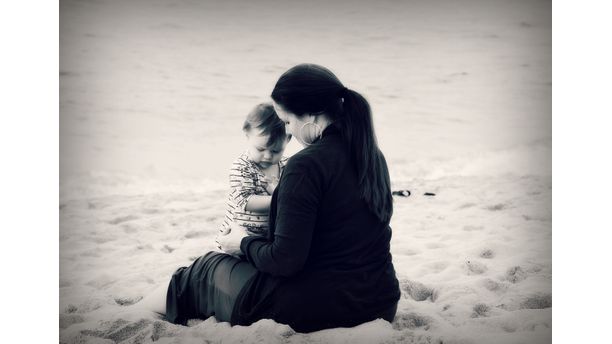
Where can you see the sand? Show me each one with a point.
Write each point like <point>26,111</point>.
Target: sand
<point>152,98</point>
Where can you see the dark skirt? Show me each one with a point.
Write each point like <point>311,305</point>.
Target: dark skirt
<point>317,300</point>
<point>232,290</point>
<point>208,287</point>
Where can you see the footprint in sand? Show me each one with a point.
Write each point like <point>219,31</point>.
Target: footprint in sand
<point>418,291</point>
<point>515,274</point>
<point>510,328</point>
<point>120,330</point>
<point>537,301</point>
<point>70,309</point>
<point>112,326</point>
<point>411,321</point>
<point>475,268</point>
<point>534,269</point>
<point>162,329</point>
<point>480,310</point>
<point>487,254</point>
<point>533,301</point>
<point>66,320</point>
<point>126,301</point>
<point>492,285</point>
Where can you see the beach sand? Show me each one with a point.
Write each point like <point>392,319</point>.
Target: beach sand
<point>152,99</point>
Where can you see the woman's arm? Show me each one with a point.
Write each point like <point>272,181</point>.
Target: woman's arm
<point>297,201</point>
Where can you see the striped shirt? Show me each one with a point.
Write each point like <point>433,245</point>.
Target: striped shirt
<point>246,180</point>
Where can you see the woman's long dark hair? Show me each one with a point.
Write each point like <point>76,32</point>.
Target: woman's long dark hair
<point>312,89</point>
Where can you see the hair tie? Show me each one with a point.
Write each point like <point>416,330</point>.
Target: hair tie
<point>343,92</point>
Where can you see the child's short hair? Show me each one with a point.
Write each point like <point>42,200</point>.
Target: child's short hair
<point>264,117</point>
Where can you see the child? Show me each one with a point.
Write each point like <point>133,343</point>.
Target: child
<point>255,174</point>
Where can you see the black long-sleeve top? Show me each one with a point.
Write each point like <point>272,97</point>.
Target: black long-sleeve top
<point>326,261</point>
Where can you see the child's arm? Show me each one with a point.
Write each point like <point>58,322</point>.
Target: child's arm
<point>261,203</point>
<point>258,203</point>
<point>244,191</point>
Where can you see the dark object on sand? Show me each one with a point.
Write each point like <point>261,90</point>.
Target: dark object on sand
<point>429,194</point>
<point>403,193</point>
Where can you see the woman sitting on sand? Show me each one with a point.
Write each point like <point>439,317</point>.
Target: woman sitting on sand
<point>326,261</point>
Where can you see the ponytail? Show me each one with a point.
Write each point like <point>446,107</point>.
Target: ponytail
<point>373,175</point>
<point>313,89</point>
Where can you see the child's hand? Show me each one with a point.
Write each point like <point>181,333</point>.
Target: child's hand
<point>270,188</point>
<point>230,243</point>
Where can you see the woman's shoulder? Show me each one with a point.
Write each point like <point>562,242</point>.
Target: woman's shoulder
<point>322,158</point>
<point>298,161</point>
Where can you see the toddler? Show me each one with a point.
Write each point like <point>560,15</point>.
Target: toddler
<point>255,173</point>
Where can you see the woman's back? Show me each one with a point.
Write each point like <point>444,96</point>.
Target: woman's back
<point>347,236</point>
<point>343,275</point>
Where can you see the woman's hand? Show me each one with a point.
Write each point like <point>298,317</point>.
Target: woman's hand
<point>230,243</point>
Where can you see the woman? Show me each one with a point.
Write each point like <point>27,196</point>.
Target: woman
<point>326,261</point>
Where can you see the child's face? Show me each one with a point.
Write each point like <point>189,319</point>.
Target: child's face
<point>260,153</point>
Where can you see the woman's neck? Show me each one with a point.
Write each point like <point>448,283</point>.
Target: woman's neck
<point>322,121</point>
